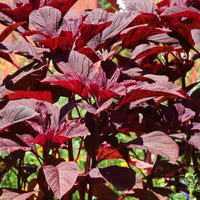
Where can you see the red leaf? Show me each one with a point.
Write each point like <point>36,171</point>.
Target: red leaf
<point>9,29</point>
<point>88,31</point>
<point>55,43</point>
<point>139,95</point>
<point>29,33</point>
<point>75,86</point>
<point>138,35</point>
<point>153,50</point>
<point>147,18</point>
<point>156,142</point>
<point>61,178</point>
<point>20,14</point>
<point>89,53</point>
<point>63,5</point>
<point>40,95</point>
<point>40,139</point>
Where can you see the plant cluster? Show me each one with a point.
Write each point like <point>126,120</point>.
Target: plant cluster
<point>120,69</point>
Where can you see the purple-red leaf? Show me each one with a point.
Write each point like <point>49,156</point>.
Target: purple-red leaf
<point>68,130</point>
<point>78,62</point>
<point>39,20</point>
<point>194,140</point>
<point>156,142</point>
<point>121,178</point>
<point>10,145</point>
<point>143,6</point>
<point>119,22</point>
<point>95,111</point>
<point>23,48</point>
<point>15,114</point>
<point>61,178</point>
<point>14,194</point>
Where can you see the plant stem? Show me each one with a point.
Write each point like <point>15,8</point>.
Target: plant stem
<point>70,150</point>
<point>149,180</point>
<point>94,153</point>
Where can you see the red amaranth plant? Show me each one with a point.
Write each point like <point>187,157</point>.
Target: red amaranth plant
<point>120,69</point>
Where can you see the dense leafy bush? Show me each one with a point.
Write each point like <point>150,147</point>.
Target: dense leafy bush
<point>107,82</point>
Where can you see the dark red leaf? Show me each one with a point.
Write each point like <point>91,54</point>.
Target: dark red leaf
<point>27,78</point>
<point>61,178</point>
<point>90,54</point>
<point>156,142</point>
<point>141,194</point>
<point>147,18</point>
<point>104,192</point>
<point>110,174</point>
<point>64,110</point>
